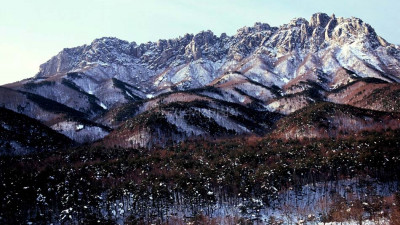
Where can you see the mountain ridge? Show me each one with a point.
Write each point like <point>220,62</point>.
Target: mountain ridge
<point>262,68</point>
<point>193,41</point>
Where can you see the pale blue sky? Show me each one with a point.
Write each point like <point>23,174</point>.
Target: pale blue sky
<point>32,31</point>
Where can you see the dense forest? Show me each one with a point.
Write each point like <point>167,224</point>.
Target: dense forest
<point>247,180</point>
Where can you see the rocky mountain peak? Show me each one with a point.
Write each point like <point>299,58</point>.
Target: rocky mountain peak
<point>261,26</point>
<point>204,37</point>
<point>297,22</point>
<point>258,27</point>
<point>108,41</point>
<point>319,20</point>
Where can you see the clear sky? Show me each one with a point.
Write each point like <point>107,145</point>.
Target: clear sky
<point>32,31</point>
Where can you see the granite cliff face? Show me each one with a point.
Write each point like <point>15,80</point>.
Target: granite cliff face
<point>263,68</point>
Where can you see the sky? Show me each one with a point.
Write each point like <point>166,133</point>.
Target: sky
<point>31,32</point>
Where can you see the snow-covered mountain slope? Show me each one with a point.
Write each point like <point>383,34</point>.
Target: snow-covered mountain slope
<point>20,134</point>
<point>280,69</point>
<point>68,121</point>
<point>175,117</point>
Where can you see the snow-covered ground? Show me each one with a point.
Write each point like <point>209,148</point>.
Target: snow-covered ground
<point>306,205</point>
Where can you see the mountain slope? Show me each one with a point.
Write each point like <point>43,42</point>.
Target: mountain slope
<point>328,120</point>
<point>20,134</point>
<point>369,93</point>
<point>68,121</point>
<point>175,117</point>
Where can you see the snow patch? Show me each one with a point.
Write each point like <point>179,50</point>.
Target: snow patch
<point>84,135</point>
<point>127,93</point>
<point>5,126</point>
<point>285,80</point>
<point>273,106</point>
<point>103,106</point>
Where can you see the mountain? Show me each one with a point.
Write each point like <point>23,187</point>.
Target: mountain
<point>205,85</point>
<point>20,134</point>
